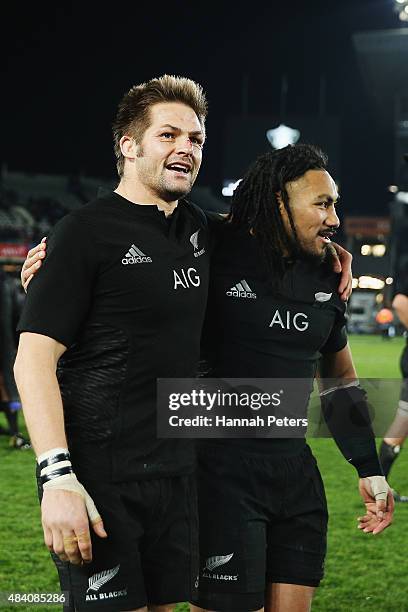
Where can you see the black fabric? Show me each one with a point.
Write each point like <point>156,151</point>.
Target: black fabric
<point>262,519</point>
<point>347,415</point>
<point>256,328</point>
<point>125,290</point>
<point>152,541</point>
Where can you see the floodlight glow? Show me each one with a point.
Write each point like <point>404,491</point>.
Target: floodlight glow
<point>378,250</point>
<point>370,282</point>
<point>230,188</point>
<point>402,196</point>
<point>403,16</point>
<point>366,249</point>
<point>401,1</point>
<point>389,280</point>
<point>393,188</point>
<point>354,283</point>
<point>406,8</point>
<point>379,298</point>
<point>282,136</point>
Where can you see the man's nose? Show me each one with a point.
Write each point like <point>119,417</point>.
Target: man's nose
<point>184,145</point>
<point>332,218</point>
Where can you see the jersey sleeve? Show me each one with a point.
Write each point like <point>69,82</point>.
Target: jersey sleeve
<point>337,339</point>
<point>59,296</point>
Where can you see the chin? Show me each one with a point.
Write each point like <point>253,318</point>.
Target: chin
<point>170,194</point>
<point>315,256</point>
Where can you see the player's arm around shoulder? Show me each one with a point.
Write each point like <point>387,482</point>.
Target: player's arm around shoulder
<point>32,263</point>
<point>400,305</point>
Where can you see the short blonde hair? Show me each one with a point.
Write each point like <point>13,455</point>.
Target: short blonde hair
<point>133,114</point>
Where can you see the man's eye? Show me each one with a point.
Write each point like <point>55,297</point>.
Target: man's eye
<point>167,135</point>
<point>197,141</point>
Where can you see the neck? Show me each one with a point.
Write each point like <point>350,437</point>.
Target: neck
<point>138,194</point>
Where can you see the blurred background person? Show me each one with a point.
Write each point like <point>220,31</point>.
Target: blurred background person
<point>395,437</point>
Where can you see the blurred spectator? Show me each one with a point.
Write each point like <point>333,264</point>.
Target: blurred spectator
<point>384,319</point>
<point>10,307</point>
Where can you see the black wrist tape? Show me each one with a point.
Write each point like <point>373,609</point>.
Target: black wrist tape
<point>54,459</point>
<point>56,474</point>
<point>347,415</point>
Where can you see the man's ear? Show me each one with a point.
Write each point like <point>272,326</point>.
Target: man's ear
<point>128,147</point>
<point>280,202</point>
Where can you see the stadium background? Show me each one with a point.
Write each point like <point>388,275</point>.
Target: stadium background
<point>335,71</point>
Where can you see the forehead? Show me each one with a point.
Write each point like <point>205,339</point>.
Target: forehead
<point>176,114</point>
<point>312,184</point>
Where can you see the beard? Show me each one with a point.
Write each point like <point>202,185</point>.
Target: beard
<point>169,192</point>
<point>306,251</point>
<point>162,185</point>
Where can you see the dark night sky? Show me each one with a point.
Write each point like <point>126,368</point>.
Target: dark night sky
<point>65,69</point>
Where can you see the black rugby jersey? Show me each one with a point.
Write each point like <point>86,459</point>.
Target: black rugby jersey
<point>124,288</point>
<point>255,330</point>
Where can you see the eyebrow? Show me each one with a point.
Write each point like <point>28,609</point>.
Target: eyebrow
<point>327,197</point>
<point>177,129</point>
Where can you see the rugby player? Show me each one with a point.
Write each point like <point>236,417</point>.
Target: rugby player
<point>262,507</point>
<point>120,302</point>
<point>394,440</point>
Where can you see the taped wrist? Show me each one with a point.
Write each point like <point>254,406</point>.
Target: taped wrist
<point>346,412</point>
<point>54,464</point>
<point>69,482</point>
<point>57,474</point>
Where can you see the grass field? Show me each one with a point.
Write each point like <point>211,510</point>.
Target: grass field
<point>363,572</point>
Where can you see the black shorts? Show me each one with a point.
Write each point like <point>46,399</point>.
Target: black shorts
<point>151,553</point>
<point>263,519</point>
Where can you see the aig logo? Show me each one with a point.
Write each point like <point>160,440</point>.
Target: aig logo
<point>186,278</point>
<point>286,320</point>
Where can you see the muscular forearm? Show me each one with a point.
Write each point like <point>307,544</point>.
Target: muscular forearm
<point>41,399</point>
<point>400,305</point>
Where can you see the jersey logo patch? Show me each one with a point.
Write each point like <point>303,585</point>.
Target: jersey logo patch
<point>194,242</point>
<point>241,290</point>
<point>97,580</point>
<point>135,256</point>
<point>213,562</point>
<point>320,296</point>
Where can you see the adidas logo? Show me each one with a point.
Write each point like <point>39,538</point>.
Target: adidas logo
<point>241,290</point>
<point>135,256</point>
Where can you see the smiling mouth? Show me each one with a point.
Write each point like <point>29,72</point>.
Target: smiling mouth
<point>178,169</point>
<point>326,236</point>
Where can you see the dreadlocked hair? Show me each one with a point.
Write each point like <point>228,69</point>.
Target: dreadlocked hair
<point>255,204</point>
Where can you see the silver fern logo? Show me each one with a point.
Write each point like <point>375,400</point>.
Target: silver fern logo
<point>320,296</point>
<point>213,562</point>
<point>194,240</point>
<point>97,580</point>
